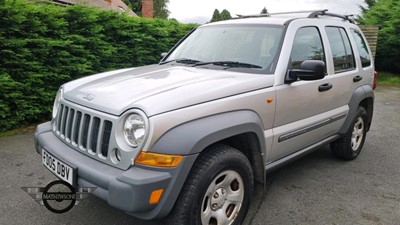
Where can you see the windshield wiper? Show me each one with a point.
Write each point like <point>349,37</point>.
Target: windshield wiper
<point>228,64</point>
<point>182,60</point>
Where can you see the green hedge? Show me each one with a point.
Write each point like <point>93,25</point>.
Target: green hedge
<point>43,46</point>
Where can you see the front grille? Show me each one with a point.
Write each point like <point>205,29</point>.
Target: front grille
<point>83,130</point>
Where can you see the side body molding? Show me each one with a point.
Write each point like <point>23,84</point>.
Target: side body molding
<point>359,95</point>
<point>194,136</point>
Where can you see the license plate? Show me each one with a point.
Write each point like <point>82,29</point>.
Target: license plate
<point>57,167</point>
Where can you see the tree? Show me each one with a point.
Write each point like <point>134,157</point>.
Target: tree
<point>225,15</point>
<point>264,11</point>
<point>135,5</point>
<point>369,4</point>
<point>386,14</point>
<point>216,16</point>
<point>161,9</point>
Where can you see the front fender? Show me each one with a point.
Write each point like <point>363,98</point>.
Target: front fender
<point>194,136</point>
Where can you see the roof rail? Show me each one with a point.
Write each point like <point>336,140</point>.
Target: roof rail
<point>272,14</point>
<point>325,12</point>
<point>313,14</point>
<point>239,16</point>
<point>293,12</point>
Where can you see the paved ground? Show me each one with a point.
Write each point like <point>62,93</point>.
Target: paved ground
<point>317,189</point>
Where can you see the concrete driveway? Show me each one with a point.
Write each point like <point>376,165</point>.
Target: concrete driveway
<point>317,189</point>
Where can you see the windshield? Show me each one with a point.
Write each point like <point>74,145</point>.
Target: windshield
<point>237,47</point>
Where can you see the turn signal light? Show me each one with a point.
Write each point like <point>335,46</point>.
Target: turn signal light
<point>155,196</point>
<point>159,160</point>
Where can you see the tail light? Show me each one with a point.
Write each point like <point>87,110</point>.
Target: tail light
<point>375,78</point>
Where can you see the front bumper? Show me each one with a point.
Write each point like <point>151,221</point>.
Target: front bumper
<point>128,190</point>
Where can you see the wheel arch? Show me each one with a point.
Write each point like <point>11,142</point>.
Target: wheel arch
<point>249,145</point>
<point>368,104</point>
<point>362,96</point>
<point>194,136</point>
<point>242,130</point>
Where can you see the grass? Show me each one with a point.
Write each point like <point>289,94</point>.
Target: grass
<point>22,130</point>
<point>388,78</point>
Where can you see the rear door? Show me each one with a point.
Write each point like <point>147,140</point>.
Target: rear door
<point>363,57</point>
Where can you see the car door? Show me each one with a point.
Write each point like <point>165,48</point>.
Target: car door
<point>307,111</point>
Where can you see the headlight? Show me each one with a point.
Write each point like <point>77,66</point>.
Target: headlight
<point>56,104</point>
<point>135,130</point>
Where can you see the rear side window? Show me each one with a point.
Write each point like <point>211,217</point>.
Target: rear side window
<point>343,58</point>
<point>307,45</point>
<point>362,48</point>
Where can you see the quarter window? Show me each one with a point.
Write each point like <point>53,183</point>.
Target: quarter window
<point>362,48</point>
<point>343,58</point>
<point>307,45</point>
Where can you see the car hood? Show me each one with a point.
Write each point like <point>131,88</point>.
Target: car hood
<point>156,89</point>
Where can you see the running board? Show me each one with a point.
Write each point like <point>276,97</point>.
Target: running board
<point>294,156</point>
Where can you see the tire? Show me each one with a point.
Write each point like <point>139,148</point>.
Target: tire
<point>217,191</point>
<point>350,145</point>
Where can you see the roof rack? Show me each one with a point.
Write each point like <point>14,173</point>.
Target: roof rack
<point>325,12</point>
<point>313,14</point>
<point>271,14</point>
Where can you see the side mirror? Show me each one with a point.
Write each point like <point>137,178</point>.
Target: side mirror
<point>164,54</point>
<point>309,70</point>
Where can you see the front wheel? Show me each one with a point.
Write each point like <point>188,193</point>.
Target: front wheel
<point>217,191</point>
<point>350,145</point>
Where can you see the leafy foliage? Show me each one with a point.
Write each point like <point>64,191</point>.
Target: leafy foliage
<point>160,7</point>
<point>44,46</point>
<point>135,5</point>
<point>216,16</point>
<point>369,4</point>
<point>224,15</point>
<point>264,11</point>
<point>386,14</point>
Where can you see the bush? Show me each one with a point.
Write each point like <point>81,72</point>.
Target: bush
<point>44,46</point>
<point>386,14</point>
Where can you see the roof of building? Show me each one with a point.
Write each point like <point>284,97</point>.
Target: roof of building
<point>116,5</point>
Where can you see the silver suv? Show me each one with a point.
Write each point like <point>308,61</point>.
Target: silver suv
<point>232,101</point>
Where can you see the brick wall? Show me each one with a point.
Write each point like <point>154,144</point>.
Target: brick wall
<point>147,8</point>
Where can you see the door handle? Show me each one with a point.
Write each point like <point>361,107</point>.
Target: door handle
<point>324,87</point>
<point>357,78</point>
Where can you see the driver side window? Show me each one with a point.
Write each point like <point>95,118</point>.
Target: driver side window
<point>307,45</point>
